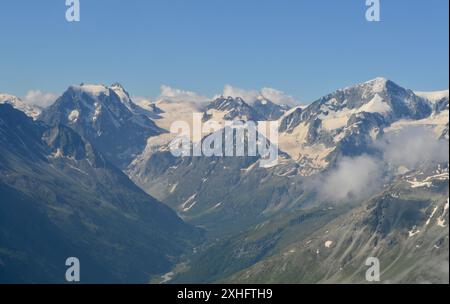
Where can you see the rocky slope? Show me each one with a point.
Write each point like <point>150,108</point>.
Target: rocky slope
<point>61,198</point>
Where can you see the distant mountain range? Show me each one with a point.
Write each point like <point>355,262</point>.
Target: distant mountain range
<point>362,171</point>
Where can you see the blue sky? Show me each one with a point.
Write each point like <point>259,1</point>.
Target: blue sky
<point>305,48</point>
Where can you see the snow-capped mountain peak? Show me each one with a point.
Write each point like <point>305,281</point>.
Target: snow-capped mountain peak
<point>269,109</point>
<point>227,103</point>
<point>379,95</point>
<point>124,97</point>
<point>97,94</point>
<point>378,84</point>
<point>118,86</point>
<point>94,90</point>
<point>120,91</point>
<point>347,121</point>
<point>107,117</point>
<point>18,104</point>
<point>230,108</point>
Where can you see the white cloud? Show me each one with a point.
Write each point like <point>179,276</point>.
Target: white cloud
<point>170,94</point>
<point>141,101</point>
<point>39,98</point>
<point>353,178</point>
<point>176,95</point>
<point>278,97</point>
<point>359,177</point>
<point>250,96</point>
<point>413,146</point>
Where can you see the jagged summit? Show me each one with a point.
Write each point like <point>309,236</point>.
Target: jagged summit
<point>230,108</point>
<point>107,117</point>
<point>238,108</point>
<point>117,85</point>
<point>378,95</point>
<point>18,104</point>
<point>91,89</point>
<point>376,85</point>
<point>120,90</point>
<point>378,81</point>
